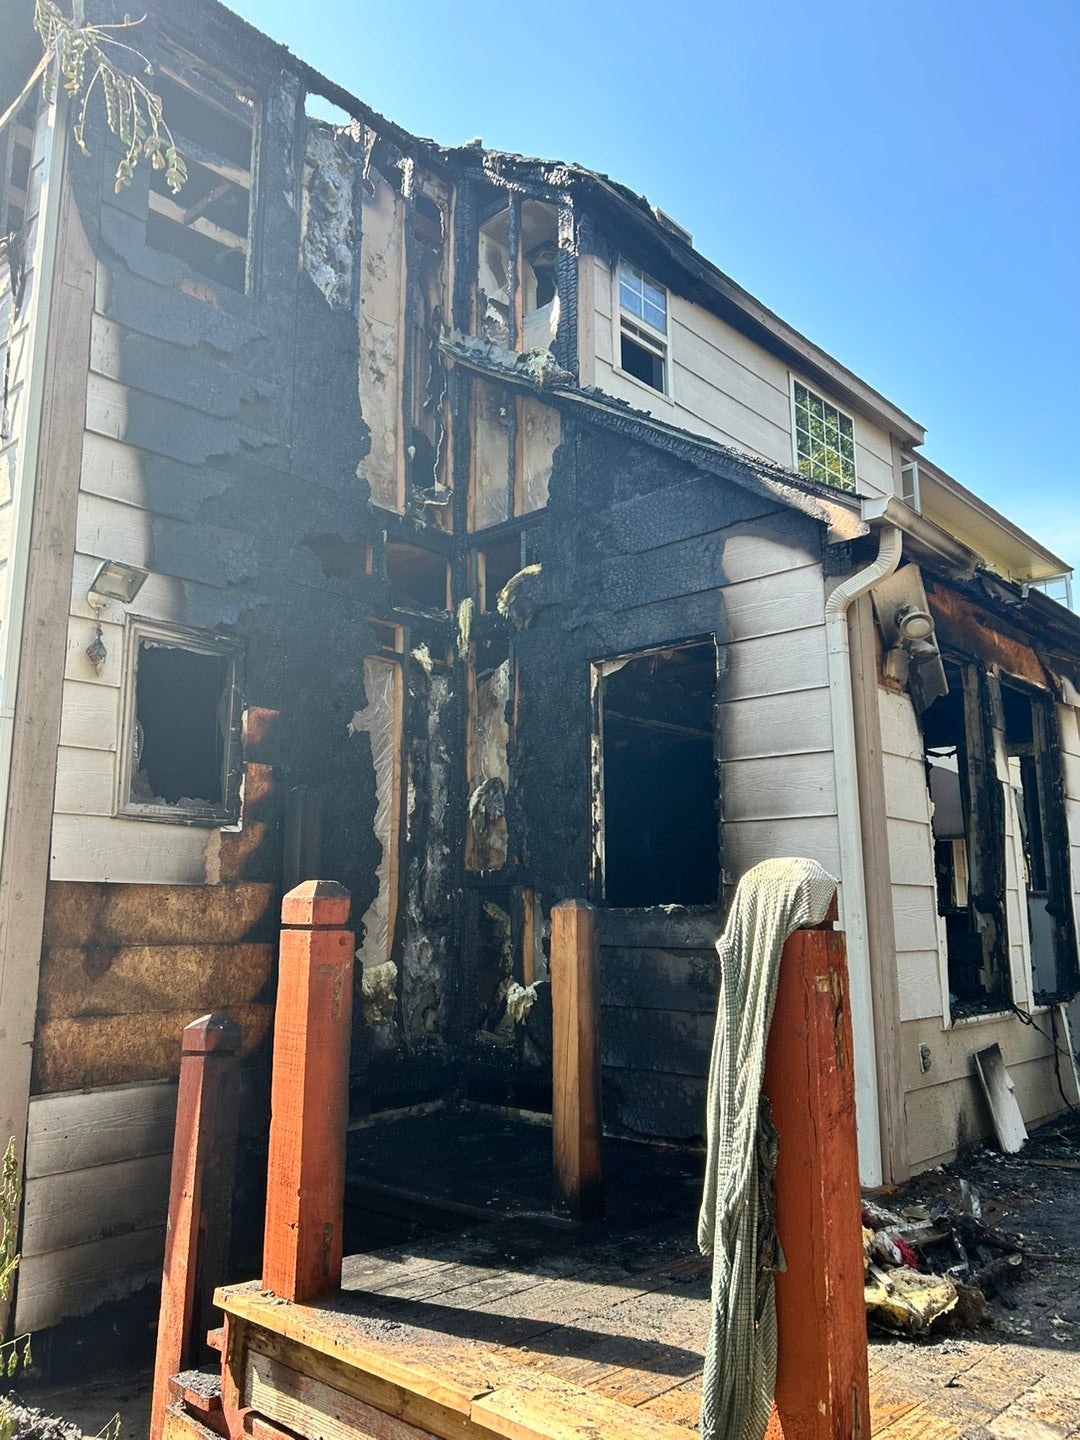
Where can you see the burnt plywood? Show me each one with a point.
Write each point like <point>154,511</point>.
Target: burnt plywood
<point>80,914</point>
<point>119,1049</point>
<point>100,980</point>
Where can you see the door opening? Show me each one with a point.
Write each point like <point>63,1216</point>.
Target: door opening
<point>660,794</point>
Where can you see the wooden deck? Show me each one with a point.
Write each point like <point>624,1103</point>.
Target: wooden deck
<point>515,1330</point>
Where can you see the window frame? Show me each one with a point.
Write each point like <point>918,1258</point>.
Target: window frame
<point>202,642</point>
<point>793,381</point>
<point>639,330</point>
<point>232,100</point>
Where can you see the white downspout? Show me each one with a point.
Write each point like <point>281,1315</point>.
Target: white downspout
<point>852,870</point>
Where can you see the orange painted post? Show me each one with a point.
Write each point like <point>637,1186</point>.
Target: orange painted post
<point>822,1389</point>
<point>309,1093</point>
<point>576,1123</point>
<point>200,1198</point>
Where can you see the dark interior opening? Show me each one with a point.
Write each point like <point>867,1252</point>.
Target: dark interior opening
<point>428,221</point>
<point>181,702</point>
<point>206,223</point>
<point>975,977</point>
<point>501,563</point>
<point>643,364</point>
<point>661,794</point>
<point>417,577</point>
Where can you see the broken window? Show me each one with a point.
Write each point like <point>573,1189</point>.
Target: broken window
<point>181,752</point>
<point>643,327</point>
<point>824,439</point>
<point>1030,745</point>
<point>16,142</point>
<point>968,830</point>
<point>419,579</point>
<point>518,298</point>
<point>658,786</point>
<point>494,567</point>
<point>207,223</point>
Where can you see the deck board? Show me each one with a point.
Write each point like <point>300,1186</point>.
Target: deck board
<point>514,1330</point>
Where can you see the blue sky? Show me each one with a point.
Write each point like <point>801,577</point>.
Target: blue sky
<point>898,181</point>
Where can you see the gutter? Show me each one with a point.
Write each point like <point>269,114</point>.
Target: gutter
<point>852,867</point>
<point>929,541</point>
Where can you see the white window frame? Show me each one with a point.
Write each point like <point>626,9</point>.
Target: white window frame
<point>641,331</point>
<point>202,642</point>
<point>794,380</point>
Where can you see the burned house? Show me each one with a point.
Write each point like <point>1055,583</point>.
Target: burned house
<point>441,522</point>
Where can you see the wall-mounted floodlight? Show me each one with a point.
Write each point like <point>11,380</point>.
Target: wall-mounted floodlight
<point>912,658</point>
<point>115,581</point>
<point>913,624</point>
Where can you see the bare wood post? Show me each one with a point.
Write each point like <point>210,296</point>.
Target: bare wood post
<point>575,1057</point>
<point>822,1389</point>
<point>200,1197</point>
<point>309,1093</point>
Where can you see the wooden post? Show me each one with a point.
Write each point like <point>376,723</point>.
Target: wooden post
<point>200,1198</point>
<point>575,1059</point>
<point>822,1389</point>
<point>309,1093</point>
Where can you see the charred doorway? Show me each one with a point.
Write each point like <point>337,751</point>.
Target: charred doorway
<point>658,837</point>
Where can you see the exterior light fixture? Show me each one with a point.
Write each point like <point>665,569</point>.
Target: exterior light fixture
<point>908,628</point>
<point>913,624</point>
<point>115,581</point>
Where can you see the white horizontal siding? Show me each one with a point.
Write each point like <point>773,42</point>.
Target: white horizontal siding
<point>919,957</point>
<point>759,726</point>
<point>97,1163</point>
<point>778,794</point>
<point>139,852</point>
<point>85,781</point>
<point>811,838</point>
<point>723,386</point>
<point>775,604</point>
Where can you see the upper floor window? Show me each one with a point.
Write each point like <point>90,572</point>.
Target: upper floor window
<point>643,327</point>
<point>207,223</point>
<point>824,439</point>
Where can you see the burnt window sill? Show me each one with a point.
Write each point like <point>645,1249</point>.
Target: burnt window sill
<point>180,815</point>
<point>972,1012</point>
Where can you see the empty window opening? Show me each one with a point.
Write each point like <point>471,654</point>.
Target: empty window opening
<point>1029,744</point>
<point>518,300</point>
<point>16,142</point>
<point>206,224</point>
<point>389,639</point>
<point>419,579</point>
<point>494,567</point>
<point>428,221</point>
<point>968,845</point>
<point>184,744</point>
<point>661,841</point>
<point>640,357</point>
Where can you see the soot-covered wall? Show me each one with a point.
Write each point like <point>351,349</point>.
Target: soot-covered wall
<point>229,455</point>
